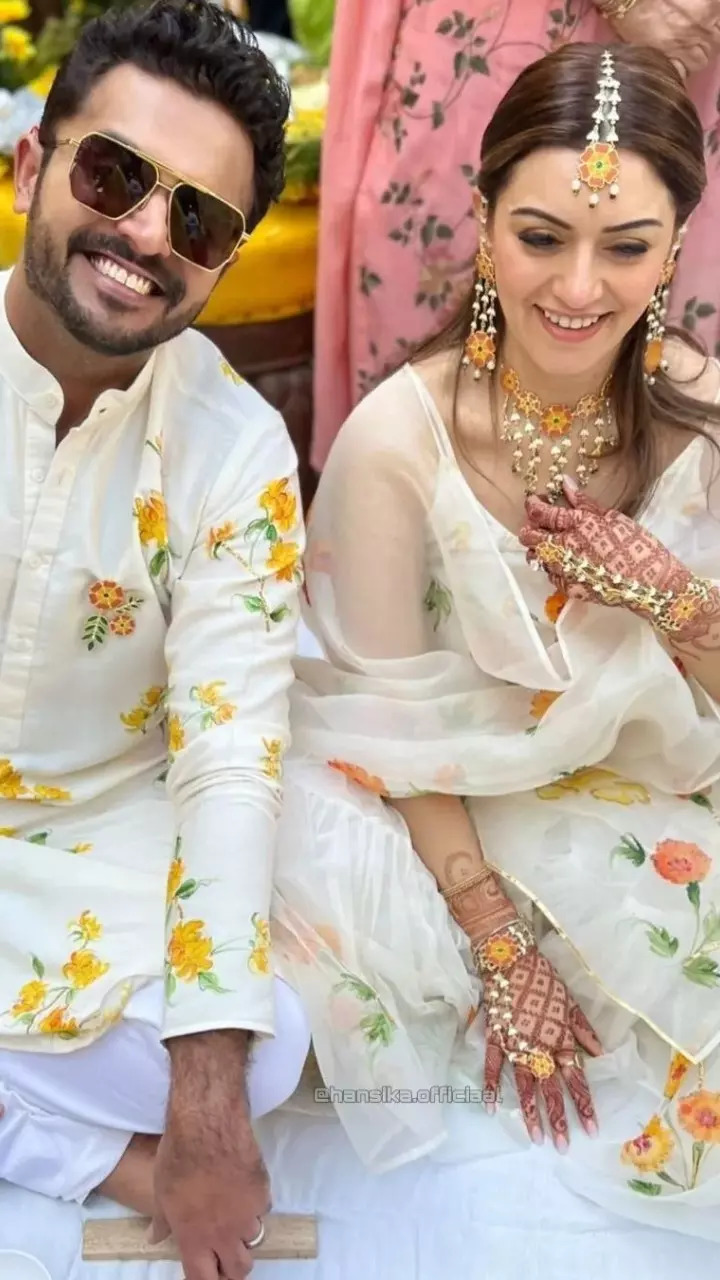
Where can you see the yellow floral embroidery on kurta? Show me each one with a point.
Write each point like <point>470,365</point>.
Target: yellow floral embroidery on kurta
<point>272,760</point>
<point>212,709</point>
<point>190,950</point>
<point>151,515</point>
<point>142,716</point>
<point>14,787</point>
<point>259,959</point>
<point>227,371</point>
<point>281,561</point>
<point>43,1006</point>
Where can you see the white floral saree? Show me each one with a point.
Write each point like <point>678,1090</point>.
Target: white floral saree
<point>590,765</point>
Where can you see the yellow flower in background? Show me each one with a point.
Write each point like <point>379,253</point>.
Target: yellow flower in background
<point>176,734</point>
<point>190,950</point>
<point>280,504</point>
<point>176,875</point>
<point>272,760</point>
<point>12,786</point>
<point>16,45</point>
<point>83,968</point>
<point>51,793</point>
<point>679,1068</point>
<point>151,516</point>
<point>218,538</point>
<point>283,560</point>
<point>58,1023</point>
<point>30,997</point>
<point>87,926</point>
<point>209,694</point>
<point>652,1150</point>
<point>14,11</point>
<point>259,959</point>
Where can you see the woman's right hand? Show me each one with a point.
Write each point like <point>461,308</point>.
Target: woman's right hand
<point>533,1023</point>
<point>688,31</point>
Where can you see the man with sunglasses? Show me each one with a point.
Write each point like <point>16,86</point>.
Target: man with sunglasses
<point>150,542</point>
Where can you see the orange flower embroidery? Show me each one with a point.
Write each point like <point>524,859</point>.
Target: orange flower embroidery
<point>554,606</point>
<point>699,1115</point>
<point>680,862</point>
<point>283,560</point>
<point>652,1149</point>
<point>106,595</point>
<point>122,625</point>
<point>280,505</point>
<point>679,1068</point>
<point>364,779</point>
<point>190,951</point>
<point>542,702</point>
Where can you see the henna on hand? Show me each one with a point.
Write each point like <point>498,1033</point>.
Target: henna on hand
<point>476,902</point>
<point>606,540</point>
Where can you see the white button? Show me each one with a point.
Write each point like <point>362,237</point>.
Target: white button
<point>34,560</point>
<point>37,475</point>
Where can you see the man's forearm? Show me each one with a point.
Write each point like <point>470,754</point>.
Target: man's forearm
<point>209,1066</point>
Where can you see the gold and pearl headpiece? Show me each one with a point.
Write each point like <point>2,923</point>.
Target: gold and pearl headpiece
<point>599,164</point>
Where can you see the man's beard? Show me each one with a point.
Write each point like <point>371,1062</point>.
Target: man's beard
<point>48,278</point>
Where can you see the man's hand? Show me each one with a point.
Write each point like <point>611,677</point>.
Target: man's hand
<point>688,31</point>
<point>211,1185</point>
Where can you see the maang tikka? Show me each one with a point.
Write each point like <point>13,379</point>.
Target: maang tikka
<point>599,164</point>
<point>480,345</point>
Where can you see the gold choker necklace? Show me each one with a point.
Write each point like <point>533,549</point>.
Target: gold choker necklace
<point>528,425</point>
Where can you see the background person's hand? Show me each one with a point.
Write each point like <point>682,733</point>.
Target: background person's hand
<point>688,31</point>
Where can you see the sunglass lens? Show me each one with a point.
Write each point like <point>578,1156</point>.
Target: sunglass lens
<point>109,178</point>
<point>203,229</point>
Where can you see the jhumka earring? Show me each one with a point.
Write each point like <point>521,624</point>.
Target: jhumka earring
<point>480,346</point>
<point>599,164</point>
<point>656,315</point>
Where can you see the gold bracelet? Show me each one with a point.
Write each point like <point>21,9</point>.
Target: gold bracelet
<point>669,611</point>
<point>503,948</point>
<point>485,873</point>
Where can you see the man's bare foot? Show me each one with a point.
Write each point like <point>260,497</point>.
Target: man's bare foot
<point>131,1181</point>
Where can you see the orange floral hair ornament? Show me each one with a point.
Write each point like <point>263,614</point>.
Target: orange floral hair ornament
<point>599,164</point>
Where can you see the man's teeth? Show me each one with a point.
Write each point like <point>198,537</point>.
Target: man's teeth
<point>106,267</point>
<point>571,322</point>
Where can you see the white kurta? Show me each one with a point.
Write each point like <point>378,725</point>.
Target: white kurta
<point>590,765</point>
<point>149,576</point>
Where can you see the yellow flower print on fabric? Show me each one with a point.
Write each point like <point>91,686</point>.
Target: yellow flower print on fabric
<point>113,610</point>
<point>231,374</point>
<point>650,1152</point>
<point>262,539</point>
<point>272,761</point>
<point>14,787</point>
<point>259,958</point>
<point>151,515</point>
<point>145,715</point>
<point>212,709</point>
<point>191,951</point>
<point>43,1006</point>
<point>601,784</point>
<point>680,1145</point>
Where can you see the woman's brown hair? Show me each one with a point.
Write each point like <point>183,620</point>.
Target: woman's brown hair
<point>551,105</point>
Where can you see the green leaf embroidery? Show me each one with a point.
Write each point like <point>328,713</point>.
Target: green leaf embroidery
<point>711,926</point>
<point>271,533</point>
<point>253,604</point>
<point>160,562</point>
<point>438,115</point>
<point>27,1019</point>
<point>479,66</point>
<point>693,893</point>
<point>187,889</point>
<point>377,1028</point>
<point>445,27</point>
<point>277,615</point>
<point>645,1188</point>
<point>170,984</point>
<point>438,600</point>
<point>40,837</point>
<point>257,526</point>
<point>662,943</point>
<point>630,848</point>
<point>38,967</point>
<point>701,800</point>
<point>359,988</point>
<point>209,982</point>
<point>95,631</point>
<point>702,970</point>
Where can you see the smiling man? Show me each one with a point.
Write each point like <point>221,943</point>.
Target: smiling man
<point>150,543</point>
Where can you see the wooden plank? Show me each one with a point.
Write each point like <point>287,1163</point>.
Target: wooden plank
<point>287,1236</point>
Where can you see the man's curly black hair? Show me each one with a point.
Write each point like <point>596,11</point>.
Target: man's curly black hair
<point>201,47</point>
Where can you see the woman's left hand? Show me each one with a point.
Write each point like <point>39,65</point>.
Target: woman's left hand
<point>600,555</point>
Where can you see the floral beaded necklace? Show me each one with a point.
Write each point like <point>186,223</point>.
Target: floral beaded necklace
<point>531,426</point>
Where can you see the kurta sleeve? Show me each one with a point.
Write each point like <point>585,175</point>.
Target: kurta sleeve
<point>229,651</point>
